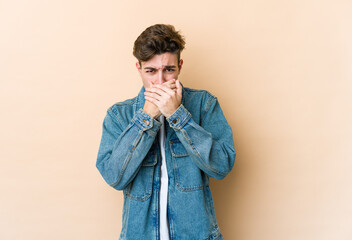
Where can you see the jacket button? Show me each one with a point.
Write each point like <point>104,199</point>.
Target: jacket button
<point>146,122</point>
<point>175,121</point>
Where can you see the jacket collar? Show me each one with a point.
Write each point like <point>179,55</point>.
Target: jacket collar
<point>141,100</point>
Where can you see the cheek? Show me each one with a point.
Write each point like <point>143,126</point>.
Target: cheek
<point>147,77</point>
<point>147,82</point>
<point>171,76</point>
<point>152,80</point>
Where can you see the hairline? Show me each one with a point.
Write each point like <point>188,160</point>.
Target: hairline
<point>178,58</point>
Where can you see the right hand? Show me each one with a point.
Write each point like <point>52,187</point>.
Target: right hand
<point>150,108</point>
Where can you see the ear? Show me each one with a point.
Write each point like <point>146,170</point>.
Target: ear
<point>139,67</point>
<point>180,64</point>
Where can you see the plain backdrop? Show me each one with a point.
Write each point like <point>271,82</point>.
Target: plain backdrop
<point>282,71</point>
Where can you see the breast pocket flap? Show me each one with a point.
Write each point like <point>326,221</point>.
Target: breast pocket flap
<point>177,148</point>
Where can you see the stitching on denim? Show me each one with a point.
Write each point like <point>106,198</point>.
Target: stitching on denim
<point>128,158</point>
<point>175,154</point>
<point>200,158</point>
<point>188,189</point>
<point>149,191</point>
<point>198,155</point>
<point>127,217</point>
<point>150,131</point>
<point>113,114</point>
<point>176,169</point>
<point>150,184</point>
<point>207,107</point>
<point>126,102</point>
<point>186,119</point>
<point>183,121</point>
<point>142,199</point>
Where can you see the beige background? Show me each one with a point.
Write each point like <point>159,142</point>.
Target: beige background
<point>282,71</point>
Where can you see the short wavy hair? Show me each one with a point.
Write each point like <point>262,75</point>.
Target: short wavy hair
<point>158,39</point>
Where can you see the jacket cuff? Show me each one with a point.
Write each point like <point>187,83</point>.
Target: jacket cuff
<point>146,122</point>
<point>179,118</point>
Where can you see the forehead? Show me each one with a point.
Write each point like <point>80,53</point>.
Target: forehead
<point>161,60</point>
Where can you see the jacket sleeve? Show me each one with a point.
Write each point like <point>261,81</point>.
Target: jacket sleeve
<point>210,144</point>
<point>122,151</point>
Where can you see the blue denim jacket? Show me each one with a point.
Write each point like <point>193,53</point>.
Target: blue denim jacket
<point>198,145</point>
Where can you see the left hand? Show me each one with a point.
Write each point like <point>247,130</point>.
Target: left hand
<point>165,98</point>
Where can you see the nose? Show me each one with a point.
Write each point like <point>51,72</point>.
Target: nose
<point>160,78</point>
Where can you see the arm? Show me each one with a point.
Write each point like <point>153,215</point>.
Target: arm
<point>210,145</point>
<point>122,151</point>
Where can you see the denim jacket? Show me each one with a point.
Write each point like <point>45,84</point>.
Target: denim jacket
<point>198,145</point>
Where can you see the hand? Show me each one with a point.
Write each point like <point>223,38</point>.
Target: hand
<point>167,96</point>
<point>150,108</point>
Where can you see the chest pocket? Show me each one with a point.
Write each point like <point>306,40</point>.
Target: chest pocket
<point>141,187</point>
<point>188,176</point>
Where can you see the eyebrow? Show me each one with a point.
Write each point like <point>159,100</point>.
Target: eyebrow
<point>168,66</point>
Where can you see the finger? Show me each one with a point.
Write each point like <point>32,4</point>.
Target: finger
<point>158,90</point>
<point>178,88</point>
<point>169,85</point>
<point>166,89</point>
<point>153,95</point>
<point>152,100</point>
<point>172,81</point>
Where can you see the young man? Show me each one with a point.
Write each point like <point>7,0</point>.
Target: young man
<point>162,146</point>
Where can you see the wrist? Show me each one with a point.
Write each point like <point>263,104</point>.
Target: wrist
<point>150,109</point>
<point>179,118</point>
<point>151,113</point>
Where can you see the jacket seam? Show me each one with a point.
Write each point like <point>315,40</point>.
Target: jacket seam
<point>198,155</point>
<point>207,107</point>
<point>114,115</point>
<point>177,179</point>
<point>128,158</point>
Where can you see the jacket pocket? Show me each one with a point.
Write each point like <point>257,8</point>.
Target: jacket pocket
<point>141,187</point>
<point>188,176</point>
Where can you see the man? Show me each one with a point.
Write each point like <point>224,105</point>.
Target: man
<point>162,147</point>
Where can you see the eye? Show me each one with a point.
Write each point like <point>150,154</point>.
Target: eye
<point>170,70</point>
<point>149,71</point>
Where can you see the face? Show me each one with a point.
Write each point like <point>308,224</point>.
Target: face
<point>159,69</point>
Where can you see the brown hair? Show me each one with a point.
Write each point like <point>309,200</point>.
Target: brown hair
<point>158,39</point>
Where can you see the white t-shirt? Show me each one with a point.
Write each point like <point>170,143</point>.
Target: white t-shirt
<point>164,225</point>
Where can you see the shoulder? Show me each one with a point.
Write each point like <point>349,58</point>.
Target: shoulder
<point>203,97</point>
<point>122,110</point>
<point>128,103</point>
<point>199,93</point>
